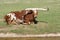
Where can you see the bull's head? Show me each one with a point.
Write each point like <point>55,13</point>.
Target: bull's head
<point>7,19</point>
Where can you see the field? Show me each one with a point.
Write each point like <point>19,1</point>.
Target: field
<point>49,21</point>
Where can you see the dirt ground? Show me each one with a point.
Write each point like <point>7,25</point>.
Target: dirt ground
<point>30,38</point>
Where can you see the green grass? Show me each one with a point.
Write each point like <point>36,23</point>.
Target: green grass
<point>52,17</point>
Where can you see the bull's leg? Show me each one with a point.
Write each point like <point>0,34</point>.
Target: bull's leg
<point>9,22</point>
<point>35,21</point>
<point>27,22</point>
<point>18,21</point>
<point>14,22</point>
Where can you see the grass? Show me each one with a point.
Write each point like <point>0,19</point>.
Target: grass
<point>51,18</point>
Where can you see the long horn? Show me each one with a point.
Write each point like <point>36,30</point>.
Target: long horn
<point>43,9</point>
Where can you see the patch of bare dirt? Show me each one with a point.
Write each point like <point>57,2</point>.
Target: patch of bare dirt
<point>38,35</point>
<point>1,19</point>
<point>8,28</point>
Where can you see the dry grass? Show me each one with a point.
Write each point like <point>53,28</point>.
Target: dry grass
<point>21,27</point>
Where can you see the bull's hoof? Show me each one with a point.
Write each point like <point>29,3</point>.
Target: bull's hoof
<point>35,22</point>
<point>26,24</point>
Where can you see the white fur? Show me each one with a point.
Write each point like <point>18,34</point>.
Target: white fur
<point>12,16</point>
<point>36,9</point>
<point>21,21</point>
<point>26,12</point>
